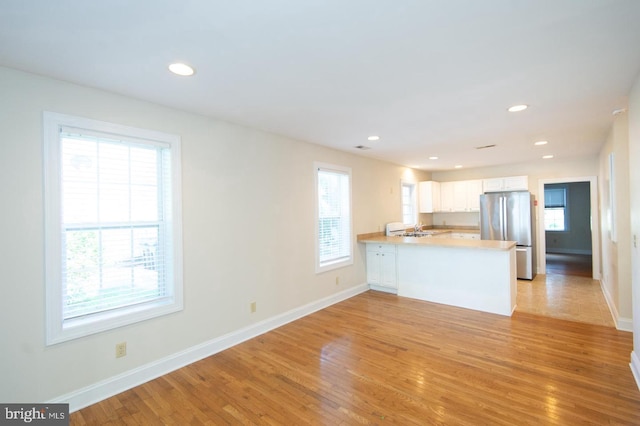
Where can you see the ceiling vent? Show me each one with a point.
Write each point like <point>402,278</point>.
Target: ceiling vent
<point>362,147</point>
<point>486,146</point>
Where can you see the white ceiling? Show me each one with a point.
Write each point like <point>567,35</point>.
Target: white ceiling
<point>430,77</point>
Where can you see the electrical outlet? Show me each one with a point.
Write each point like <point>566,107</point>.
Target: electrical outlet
<point>121,349</point>
<point>337,280</point>
<point>253,307</point>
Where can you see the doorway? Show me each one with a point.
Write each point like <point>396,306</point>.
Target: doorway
<point>556,253</point>
<point>567,223</point>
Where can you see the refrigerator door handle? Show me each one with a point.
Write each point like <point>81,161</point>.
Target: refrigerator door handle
<point>503,218</point>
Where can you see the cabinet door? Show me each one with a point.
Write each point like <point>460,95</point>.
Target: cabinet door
<point>474,190</point>
<point>516,183</point>
<point>446,196</point>
<point>429,196</point>
<point>460,196</point>
<point>388,269</point>
<point>492,185</point>
<point>373,265</point>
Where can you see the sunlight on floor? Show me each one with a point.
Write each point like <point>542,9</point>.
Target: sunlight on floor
<point>567,297</point>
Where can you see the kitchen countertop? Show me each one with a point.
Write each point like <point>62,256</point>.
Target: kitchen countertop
<point>440,242</point>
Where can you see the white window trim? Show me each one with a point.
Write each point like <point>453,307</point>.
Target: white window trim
<point>58,330</point>
<point>349,261</point>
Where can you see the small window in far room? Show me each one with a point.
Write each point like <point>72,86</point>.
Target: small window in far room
<point>409,204</point>
<point>555,204</point>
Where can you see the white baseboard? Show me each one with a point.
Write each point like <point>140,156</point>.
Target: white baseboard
<point>635,368</point>
<point>554,250</point>
<point>622,324</point>
<point>114,385</point>
<point>383,289</point>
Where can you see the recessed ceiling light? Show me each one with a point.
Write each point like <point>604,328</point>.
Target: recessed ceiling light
<point>433,158</point>
<point>546,157</point>
<point>541,143</point>
<point>181,69</point>
<point>517,108</point>
<point>373,138</point>
<point>458,166</point>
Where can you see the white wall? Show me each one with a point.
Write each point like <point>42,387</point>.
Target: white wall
<point>248,212</point>
<point>634,196</point>
<point>616,254</point>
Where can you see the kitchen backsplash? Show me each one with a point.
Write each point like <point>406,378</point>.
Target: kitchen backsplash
<point>457,219</point>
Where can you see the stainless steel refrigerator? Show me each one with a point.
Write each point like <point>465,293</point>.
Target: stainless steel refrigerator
<point>510,216</point>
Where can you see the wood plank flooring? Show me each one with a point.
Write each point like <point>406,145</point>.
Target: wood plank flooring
<point>569,264</point>
<point>381,359</point>
<point>570,297</point>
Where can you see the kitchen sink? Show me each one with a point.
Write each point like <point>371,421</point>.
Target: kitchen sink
<point>417,234</point>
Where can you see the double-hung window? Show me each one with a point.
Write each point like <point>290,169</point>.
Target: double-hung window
<point>409,204</point>
<point>113,225</point>
<point>555,205</point>
<point>334,245</point>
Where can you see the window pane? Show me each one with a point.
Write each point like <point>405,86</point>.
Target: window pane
<point>334,226</point>
<point>554,219</point>
<point>79,180</point>
<point>408,204</point>
<point>555,197</point>
<point>110,268</point>
<point>109,189</point>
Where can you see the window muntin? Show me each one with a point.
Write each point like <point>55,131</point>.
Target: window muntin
<point>333,210</point>
<point>113,226</point>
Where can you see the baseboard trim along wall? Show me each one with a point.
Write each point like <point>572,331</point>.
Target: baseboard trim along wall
<point>635,368</point>
<point>622,324</point>
<point>132,378</point>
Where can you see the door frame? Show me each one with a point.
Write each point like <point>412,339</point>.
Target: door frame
<point>595,222</point>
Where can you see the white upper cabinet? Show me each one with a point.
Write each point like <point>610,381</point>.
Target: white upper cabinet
<point>446,197</point>
<point>429,196</point>
<point>474,191</point>
<point>460,196</point>
<point>513,183</point>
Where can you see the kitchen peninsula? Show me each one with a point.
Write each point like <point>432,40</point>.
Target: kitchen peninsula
<point>473,274</point>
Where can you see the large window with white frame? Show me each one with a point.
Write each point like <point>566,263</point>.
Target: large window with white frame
<point>113,225</point>
<point>409,203</point>
<point>334,247</point>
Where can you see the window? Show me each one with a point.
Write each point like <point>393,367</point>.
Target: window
<point>555,201</point>
<point>333,209</point>
<point>409,209</point>
<point>113,225</point>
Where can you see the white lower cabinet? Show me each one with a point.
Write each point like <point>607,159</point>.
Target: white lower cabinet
<point>465,235</point>
<point>381,267</point>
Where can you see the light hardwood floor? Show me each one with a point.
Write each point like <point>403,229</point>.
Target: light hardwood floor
<point>381,359</point>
